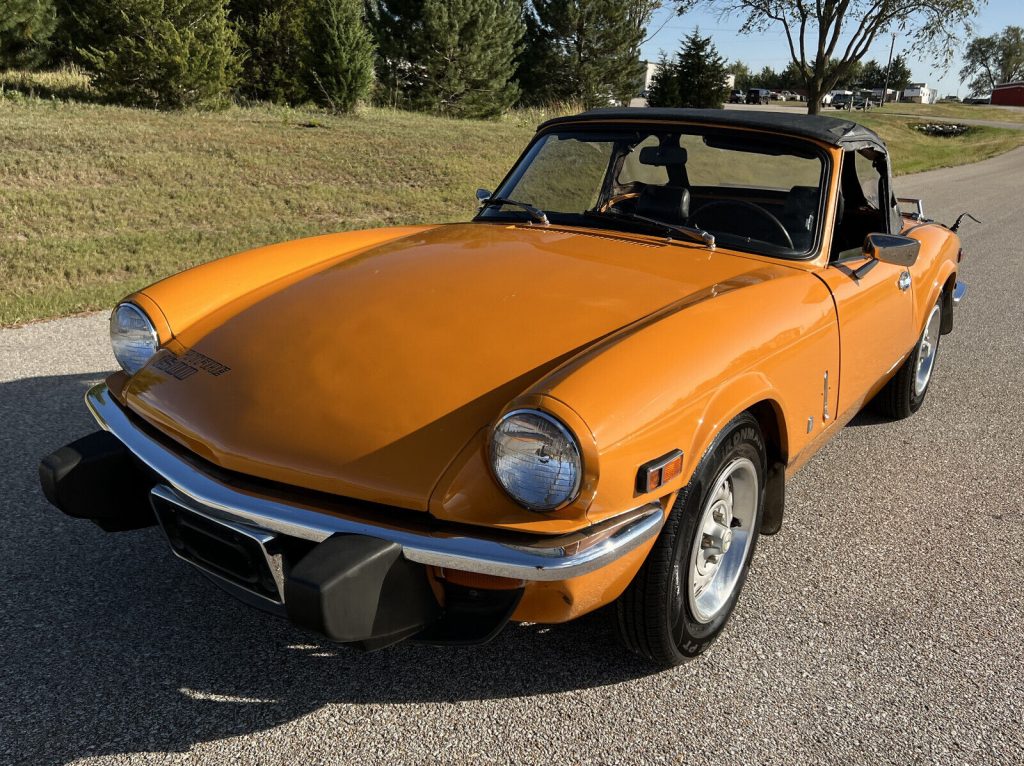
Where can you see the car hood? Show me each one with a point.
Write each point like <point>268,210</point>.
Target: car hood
<point>366,378</point>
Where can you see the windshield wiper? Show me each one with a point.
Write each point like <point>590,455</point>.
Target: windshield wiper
<point>535,213</point>
<point>693,233</point>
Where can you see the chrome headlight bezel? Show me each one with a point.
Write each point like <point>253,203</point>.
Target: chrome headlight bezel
<point>133,337</point>
<point>571,449</point>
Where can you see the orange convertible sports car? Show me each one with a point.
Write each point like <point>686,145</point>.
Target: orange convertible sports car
<point>593,392</point>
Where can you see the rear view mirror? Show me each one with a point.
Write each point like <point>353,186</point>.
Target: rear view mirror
<point>892,248</point>
<point>482,195</point>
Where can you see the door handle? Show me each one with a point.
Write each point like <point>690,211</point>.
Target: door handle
<point>904,281</point>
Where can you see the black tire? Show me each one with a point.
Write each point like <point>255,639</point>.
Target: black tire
<point>900,398</point>
<point>654,615</point>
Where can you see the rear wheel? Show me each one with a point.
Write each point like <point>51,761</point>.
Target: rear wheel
<point>905,393</point>
<point>686,590</point>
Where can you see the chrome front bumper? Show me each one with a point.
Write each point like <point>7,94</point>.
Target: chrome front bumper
<point>533,558</point>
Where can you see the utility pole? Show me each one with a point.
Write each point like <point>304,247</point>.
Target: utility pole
<point>888,68</point>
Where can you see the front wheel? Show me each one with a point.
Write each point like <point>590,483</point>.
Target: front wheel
<point>682,597</point>
<point>904,394</point>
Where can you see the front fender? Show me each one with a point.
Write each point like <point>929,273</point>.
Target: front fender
<point>675,382</point>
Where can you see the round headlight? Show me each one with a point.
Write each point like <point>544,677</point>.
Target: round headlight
<point>132,337</point>
<point>536,460</point>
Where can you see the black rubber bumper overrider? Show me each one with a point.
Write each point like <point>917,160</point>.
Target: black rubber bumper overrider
<point>361,590</point>
<point>97,478</point>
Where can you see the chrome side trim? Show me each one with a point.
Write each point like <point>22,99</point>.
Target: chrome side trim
<point>959,291</point>
<point>554,558</point>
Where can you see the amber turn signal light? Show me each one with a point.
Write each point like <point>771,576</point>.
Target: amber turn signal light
<point>659,471</point>
<point>478,581</point>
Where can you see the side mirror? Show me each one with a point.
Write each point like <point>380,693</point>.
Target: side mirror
<point>892,248</point>
<point>482,195</point>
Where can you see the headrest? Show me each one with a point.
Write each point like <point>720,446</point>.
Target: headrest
<point>663,155</point>
<point>670,204</point>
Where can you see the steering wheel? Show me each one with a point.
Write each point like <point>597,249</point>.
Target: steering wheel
<point>776,224</point>
<point>615,200</point>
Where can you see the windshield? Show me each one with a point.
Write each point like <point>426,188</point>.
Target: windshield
<point>750,191</point>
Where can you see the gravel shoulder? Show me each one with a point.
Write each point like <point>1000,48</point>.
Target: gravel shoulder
<point>881,626</point>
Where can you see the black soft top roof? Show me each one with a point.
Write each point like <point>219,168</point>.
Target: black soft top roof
<point>830,130</point>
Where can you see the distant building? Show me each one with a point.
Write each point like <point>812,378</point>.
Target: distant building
<point>641,98</point>
<point>919,93</point>
<point>890,95</point>
<point>1009,94</point>
<point>652,69</point>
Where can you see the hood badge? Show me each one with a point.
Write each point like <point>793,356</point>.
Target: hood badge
<point>188,364</point>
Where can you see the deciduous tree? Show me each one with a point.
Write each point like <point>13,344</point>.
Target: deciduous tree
<point>816,31</point>
<point>741,73</point>
<point>992,60</point>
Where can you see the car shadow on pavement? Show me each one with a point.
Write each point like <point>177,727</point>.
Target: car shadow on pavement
<point>111,645</point>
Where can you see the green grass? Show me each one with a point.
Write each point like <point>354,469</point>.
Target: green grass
<point>97,201</point>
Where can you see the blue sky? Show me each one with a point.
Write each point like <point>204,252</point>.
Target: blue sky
<point>771,49</point>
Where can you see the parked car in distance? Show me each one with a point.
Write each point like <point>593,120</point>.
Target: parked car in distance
<point>759,96</point>
<point>788,95</point>
<point>737,97</point>
<point>593,393</point>
<point>850,101</point>
<point>842,101</point>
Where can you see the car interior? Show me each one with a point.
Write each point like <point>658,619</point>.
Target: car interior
<point>784,218</point>
<point>755,192</point>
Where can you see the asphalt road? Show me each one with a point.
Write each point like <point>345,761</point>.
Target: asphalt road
<point>883,625</point>
<point>892,110</point>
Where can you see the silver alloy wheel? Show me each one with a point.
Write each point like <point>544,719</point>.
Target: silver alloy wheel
<point>724,535</point>
<point>926,351</point>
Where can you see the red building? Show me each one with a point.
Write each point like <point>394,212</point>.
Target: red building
<point>1009,94</point>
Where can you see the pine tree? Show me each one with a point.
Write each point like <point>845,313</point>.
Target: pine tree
<point>25,29</point>
<point>593,47</point>
<point>396,26</point>
<point>664,90</point>
<point>538,64</point>
<point>166,54</point>
<point>340,61</point>
<point>701,73</point>
<point>274,35</point>
<point>454,57</point>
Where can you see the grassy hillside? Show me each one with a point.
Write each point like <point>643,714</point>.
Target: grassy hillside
<point>96,201</point>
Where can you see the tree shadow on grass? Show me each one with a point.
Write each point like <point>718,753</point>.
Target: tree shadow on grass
<point>111,645</point>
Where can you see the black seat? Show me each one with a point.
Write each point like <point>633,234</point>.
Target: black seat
<point>800,215</point>
<point>670,204</point>
<point>800,211</point>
